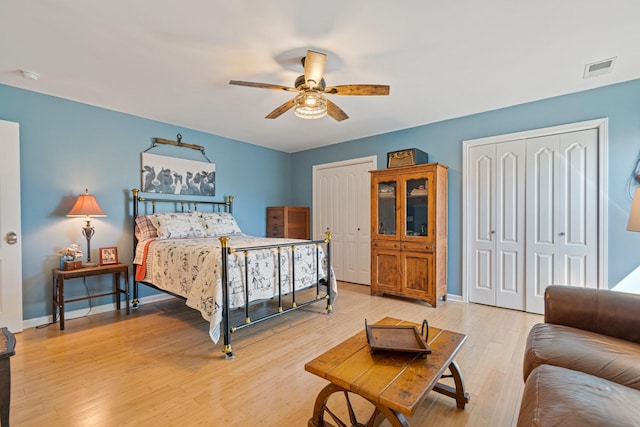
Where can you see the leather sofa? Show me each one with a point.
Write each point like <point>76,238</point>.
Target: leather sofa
<point>582,365</point>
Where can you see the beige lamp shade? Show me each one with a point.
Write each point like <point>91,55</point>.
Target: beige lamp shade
<point>86,205</point>
<point>634,216</point>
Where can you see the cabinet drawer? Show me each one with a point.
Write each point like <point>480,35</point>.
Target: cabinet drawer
<point>418,247</point>
<point>380,244</point>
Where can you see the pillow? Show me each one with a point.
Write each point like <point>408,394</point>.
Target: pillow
<point>218,223</point>
<point>144,228</point>
<point>177,225</point>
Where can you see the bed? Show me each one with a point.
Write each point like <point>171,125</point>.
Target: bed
<point>194,249</point>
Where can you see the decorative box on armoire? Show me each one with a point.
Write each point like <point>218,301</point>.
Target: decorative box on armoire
<point>288,221</point>
<point>409,232</point>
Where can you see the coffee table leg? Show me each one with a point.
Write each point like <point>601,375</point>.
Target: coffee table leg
<point>458,393</point>
<point>380,412</point>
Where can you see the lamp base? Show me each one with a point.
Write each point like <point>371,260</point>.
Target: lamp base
<point>89,265</point>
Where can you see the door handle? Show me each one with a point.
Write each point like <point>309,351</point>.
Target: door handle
<point>11,238</point>
<point>561,233</point>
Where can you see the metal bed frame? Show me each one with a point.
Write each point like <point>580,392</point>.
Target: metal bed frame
<point>179,205</point>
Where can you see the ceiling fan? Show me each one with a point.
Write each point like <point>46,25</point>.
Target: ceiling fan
<point>310,102</point>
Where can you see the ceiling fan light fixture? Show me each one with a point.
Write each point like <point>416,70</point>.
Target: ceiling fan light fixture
<point>310,105</point>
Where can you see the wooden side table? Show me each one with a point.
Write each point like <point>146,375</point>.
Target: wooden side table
<point>59,277</point>
<point>7,349</point>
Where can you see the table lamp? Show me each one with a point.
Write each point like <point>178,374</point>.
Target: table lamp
<point>87,206</point>
<point>633,223</point>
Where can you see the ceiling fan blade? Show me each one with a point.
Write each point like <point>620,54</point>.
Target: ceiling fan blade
<point>281,109</point>
<point>262,85</point>
<point>358,90</point>
<point>314,64</point>
<point>336,112</point>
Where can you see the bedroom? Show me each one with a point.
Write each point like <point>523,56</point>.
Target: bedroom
<point>67,146</point>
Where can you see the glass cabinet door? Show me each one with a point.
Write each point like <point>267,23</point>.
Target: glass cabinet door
<point>387,199</point>
<point>416,207</point>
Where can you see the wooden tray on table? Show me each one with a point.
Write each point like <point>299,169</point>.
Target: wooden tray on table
<point>403,338</point>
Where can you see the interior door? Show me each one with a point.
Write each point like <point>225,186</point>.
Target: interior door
<point>357,246</point>
<point>562,232</point>
<point>327,212</point>
<point>341,205</point>
<point>510,225</point>
<point>497,227</point>
<point>482,224</point>
<point>10,245</point>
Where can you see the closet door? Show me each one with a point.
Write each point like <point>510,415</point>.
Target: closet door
<point>510,224</point>
<point>328,213</point>
<point>497,226</point>
<point>341,205</point>
<point>481,232</point>
<point>562,230</point>
<point>357,244</point>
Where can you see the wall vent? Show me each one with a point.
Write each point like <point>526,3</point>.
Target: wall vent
<point>599,68</point>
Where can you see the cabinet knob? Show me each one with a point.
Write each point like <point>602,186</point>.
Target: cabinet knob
<point>561,233</point>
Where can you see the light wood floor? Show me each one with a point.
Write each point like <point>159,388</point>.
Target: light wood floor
<point>158,367</point>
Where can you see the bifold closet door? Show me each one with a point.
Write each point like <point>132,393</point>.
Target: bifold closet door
<point>496,229</point>
<point>342,206</point>
<point>562,209</point>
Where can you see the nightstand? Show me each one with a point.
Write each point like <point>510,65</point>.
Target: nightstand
<point>59,277</point>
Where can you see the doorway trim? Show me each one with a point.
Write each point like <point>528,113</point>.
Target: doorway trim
<point>601,125</point>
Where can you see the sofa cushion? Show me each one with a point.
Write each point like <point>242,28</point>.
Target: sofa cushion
<point>600,355</point>
<point>555,396</point>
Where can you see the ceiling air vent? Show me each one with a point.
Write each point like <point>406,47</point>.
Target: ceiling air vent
<point>599,68</point>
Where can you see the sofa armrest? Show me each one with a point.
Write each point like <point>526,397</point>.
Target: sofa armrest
<point>616,314</point>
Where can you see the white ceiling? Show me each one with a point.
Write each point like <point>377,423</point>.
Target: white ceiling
<point>171,60</point>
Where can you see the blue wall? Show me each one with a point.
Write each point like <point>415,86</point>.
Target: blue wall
<point>67,147</point>
<point>443,141</point>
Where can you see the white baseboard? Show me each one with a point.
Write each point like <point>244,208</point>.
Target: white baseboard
<point>456,298</point>
<point>68,315</point>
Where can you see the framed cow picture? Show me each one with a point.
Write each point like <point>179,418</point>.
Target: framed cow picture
<point>172,175</point>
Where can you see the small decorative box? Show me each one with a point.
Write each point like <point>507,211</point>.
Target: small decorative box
<point>408,157</point>
<point>72,265</point>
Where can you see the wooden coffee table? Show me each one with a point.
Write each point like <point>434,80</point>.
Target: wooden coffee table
<point>395,383</point>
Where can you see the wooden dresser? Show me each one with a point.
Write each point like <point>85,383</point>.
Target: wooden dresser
<point>288,221</point>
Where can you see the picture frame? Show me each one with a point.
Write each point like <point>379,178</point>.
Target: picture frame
<point>172,175</point>
<point>108,255</point>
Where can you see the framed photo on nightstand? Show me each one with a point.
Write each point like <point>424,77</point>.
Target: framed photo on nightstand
<point>109,255</point>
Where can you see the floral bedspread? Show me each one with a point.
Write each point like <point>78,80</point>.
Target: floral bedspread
<point>192,268</point>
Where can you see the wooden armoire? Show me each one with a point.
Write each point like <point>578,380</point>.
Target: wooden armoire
<point>409,232</point>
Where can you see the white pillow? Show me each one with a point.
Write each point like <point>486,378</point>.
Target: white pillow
<point>218,223</point>
<point>177,225</point>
